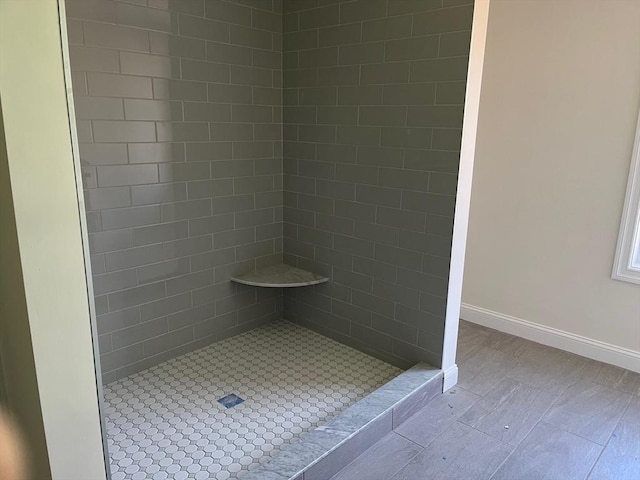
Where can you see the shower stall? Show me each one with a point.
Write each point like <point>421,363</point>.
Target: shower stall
<point>316,140</point>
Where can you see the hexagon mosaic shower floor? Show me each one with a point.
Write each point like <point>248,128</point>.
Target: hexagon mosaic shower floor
<point>166,422</point>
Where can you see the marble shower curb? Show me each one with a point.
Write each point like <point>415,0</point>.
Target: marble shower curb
<point>327,449</point>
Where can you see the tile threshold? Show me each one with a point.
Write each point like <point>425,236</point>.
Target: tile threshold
<point>327,449</point>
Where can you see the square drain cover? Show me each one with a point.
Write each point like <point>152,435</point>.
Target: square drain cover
<point>230,400</point>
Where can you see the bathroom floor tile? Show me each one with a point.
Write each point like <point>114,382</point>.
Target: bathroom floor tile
<point>484,370</point>
<point>509,411</point>
<point>621,457</point>
<point>374,464</point>
<point>471,338</point>
<point>589,410</point>
<point>632,413</point>
<point>549,453</point>
<point>166,422</point>
<point>618,379</point>
<point>461,452</point>
<point>549,369</point>
<point>437,416</point>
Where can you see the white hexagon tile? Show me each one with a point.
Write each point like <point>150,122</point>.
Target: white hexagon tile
<point>279,381</point>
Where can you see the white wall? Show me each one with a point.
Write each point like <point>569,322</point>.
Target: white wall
<point>19,387</point>
<point>559,104</point>
<point>48,308</point>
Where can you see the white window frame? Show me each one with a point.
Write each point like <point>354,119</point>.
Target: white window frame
<point>626,265</point>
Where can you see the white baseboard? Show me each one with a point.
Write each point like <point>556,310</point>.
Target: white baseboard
<point>450,378</point>
<point>586,347</point>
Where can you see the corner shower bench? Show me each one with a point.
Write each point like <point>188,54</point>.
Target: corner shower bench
<point>280,275</point>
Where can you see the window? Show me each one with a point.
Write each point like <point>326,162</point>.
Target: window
<point>626,265</point>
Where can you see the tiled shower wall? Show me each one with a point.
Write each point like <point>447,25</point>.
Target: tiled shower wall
<point>179,120</point>
<point>180,117</point>
<point>373,106</point>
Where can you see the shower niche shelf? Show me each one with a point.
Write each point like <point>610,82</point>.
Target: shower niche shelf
<point>279,276</point>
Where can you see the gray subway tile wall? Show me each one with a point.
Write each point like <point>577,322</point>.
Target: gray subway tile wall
<point>179,119</point>
<point>373,98</point>
<point>218,134</point>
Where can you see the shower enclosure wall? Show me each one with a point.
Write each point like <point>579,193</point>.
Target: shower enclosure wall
<point>179,122</point>
<point>373,105</point>
<point>220,136</point>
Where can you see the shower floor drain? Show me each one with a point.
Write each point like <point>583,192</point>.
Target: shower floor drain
<point>230,400</point>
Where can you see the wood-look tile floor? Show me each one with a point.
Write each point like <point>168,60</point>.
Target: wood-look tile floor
<point>520,411</point>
